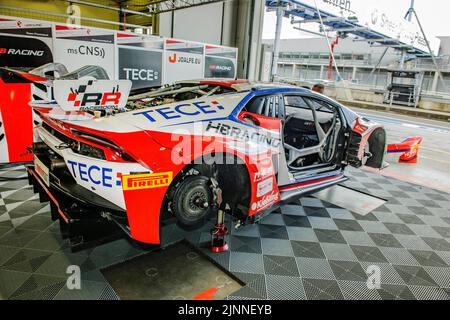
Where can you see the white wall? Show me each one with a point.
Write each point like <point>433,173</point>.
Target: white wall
<point>202,23</point>
<point>234,23</point>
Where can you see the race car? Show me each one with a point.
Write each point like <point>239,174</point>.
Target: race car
<point>264,145</point>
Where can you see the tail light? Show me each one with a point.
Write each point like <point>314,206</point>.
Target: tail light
<point>98,153</point>
<point>88,150</point>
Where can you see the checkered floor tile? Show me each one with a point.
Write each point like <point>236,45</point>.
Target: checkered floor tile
<point>309,249</point>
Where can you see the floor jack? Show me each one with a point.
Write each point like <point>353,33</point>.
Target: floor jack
<point>220,231</point>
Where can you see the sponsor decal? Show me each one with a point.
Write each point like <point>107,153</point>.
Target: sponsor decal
<point>141,74</point>
<point>91,95</point>
<point>173,59</point>
<point>146,181</point>
<point>93,174</point>
<point>242,134</point>
<point>23,52</point>
<point>86,50</point>
<point>42,171</point>
<point>94,100</point>
<point>220,68</point>
<point>216,67</point>
<point>188,60</point>
<point>265,202</point>
<point>359,127</point>
<point>180,111</point>
<point>263,173</point>
<point>264,187</point>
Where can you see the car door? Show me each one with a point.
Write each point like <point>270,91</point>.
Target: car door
<point>264,111</point>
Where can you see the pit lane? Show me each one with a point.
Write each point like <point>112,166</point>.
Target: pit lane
<point>433,166</point>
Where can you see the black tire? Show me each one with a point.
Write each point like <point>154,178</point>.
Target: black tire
<point>187,202</point>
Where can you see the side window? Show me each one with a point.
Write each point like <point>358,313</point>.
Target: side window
<point>321,106</point>
<point>294,105</point>
<point>268,106</point>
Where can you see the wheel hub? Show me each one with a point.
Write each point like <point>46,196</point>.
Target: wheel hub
<point>195,202</point>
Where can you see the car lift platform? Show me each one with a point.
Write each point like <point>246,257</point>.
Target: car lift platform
<point>313,248</point>
<point>178,272</point>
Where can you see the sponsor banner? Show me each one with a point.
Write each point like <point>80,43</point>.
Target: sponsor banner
<point>140,41</point>
<point>91,95</point>
<point>25,43</point>
<point>78,47</point>
<point>183,60</point>
<point>220,62</point>
<point>142,67</point>
<point>184,46</point>
<point>29,28</point>
<point>219,68</point>
<point>21,52</point>
<point>84,34</point>
<point>224,52</point>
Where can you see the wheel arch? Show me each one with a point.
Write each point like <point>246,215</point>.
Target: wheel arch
<point>233,174</point>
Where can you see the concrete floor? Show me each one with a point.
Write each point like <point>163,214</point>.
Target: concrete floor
<point>433,167</point>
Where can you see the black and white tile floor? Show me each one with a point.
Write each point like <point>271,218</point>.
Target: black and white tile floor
<point>307,250</point>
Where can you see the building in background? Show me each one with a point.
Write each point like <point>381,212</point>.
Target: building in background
<point>308,59</point>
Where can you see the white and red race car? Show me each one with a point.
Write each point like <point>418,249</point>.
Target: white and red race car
<point>264,144</point>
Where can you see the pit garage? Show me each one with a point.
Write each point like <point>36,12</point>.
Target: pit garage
<point>144,160</point>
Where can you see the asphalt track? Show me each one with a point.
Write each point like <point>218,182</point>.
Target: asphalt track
<point>433,166</point>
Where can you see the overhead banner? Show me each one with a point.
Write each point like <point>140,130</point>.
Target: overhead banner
<point>140,60</point>
<point>220,62</point>
<point>76,47</point>
<point>25,43</point>
<point>376,15</point>
<point>183,60</point>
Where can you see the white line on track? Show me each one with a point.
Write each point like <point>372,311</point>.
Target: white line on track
<point>435,150</point>
<point>431,159</point>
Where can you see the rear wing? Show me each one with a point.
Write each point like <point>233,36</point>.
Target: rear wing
<point>83,95</point>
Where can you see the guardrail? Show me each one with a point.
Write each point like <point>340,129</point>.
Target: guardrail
<point>325,62</point>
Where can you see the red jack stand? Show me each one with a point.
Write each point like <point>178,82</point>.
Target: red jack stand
<point>219,232</point>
